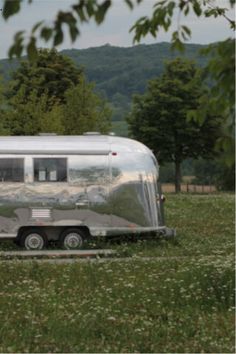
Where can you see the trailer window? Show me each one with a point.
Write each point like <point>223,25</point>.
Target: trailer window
<point>50,170</point>
<point>11,170</point>
<point>89,170</point>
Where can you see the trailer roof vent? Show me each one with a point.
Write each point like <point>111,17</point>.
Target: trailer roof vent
<point>47,134</point>
<point>92,133</point>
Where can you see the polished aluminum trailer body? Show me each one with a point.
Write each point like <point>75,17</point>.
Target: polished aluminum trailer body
<point>105,184</point>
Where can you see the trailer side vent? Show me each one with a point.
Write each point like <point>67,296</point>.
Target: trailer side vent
<point>41,213</point>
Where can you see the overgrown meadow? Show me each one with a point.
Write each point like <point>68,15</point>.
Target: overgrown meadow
<point>158,296</point>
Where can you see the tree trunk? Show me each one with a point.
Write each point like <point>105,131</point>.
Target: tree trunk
<point>177,176</point>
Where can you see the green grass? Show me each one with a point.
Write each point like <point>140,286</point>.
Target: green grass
<point>170,296</point>
<point>204,224</point>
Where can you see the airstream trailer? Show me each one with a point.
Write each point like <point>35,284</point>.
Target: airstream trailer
<point>68,188</point>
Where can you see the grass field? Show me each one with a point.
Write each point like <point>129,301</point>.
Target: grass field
<point>167,296</point>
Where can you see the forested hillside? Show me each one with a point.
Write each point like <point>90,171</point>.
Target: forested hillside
<point>126,70</point>
<point>120,72</point>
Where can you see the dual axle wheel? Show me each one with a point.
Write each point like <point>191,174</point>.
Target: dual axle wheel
<point>36,239</point>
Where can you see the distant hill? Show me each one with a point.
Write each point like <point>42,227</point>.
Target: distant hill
<point>120,72</point>
<point>126,70</point>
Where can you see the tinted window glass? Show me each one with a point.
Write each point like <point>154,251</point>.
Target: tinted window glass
<point>50,170</point>
<point>11,170</point>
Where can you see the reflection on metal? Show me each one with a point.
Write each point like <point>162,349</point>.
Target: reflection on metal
<point>107,192</point>
<point>83,203</point>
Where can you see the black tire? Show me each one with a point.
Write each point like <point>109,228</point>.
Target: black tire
<point>33,239</point>
<point>72,239</point>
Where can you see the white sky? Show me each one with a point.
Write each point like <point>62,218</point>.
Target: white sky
<point>114,30</point>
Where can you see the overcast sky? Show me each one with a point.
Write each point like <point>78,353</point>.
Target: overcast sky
<point>114,30</point>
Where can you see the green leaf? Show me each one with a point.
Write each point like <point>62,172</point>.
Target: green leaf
<point>186,10</point>
<point>101,12</point>
<point>46,33</point>
<point>58,38</point>
<point>176,42</point>
<point>36,26</point>
<point>130,4</point>
<point>211,12</point>
<point>90,8</point>
<point>19,35</point>
<point>197,8</point>
<point>170,8</point>
<point>160,3</point>
<point>74,32</point>
<point>186,30</point>
<point>10,8</point>
<point>17,48</point>
<point>11,51</point>
<point>69,19</point>
<point>31,49</point>
<point>80,11</point>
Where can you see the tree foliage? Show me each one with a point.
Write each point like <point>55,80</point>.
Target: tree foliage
<point>215,172</point>
<point>159,118</point>
<point>120,72</point>
<point>3,129</point>
<point>52,96</point>
<point>222,94</point>
<point>163,13</point>
<point>33,116</point>
<point>51,74</point>
<point>85,111</point>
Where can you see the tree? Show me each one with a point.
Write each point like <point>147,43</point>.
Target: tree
<point>221,98</point>
<point>159,118</point>
<point>85,111</point>
<point>225,178</point>
<point>3,129</point>
<point>51,74</point>
<point>82,111</point>
<point>215,172</point>
<point>33,116</point>
<point>51,95</point>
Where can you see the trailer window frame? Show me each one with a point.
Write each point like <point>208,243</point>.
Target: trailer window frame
<point>48,180</point>
<point>13,177</point>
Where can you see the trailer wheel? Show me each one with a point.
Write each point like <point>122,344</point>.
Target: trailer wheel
<point>33,239</point>
<point>72,239</point>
